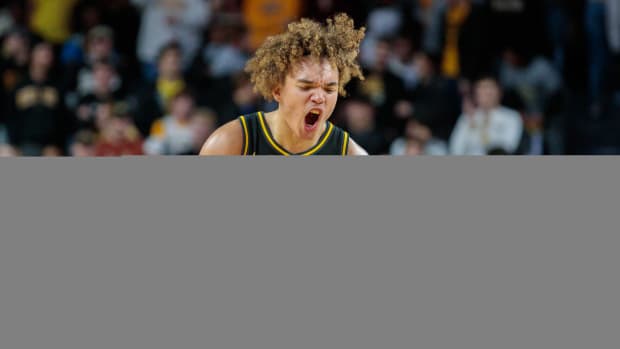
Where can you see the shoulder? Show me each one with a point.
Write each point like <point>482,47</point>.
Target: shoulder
<point>226,140</point>
<point>509,114</point>
<point>355,149</point>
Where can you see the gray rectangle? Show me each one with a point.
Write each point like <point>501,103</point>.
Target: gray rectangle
<point>269,252</point>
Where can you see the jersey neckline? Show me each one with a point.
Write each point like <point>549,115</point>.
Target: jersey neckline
<point>282,150</point>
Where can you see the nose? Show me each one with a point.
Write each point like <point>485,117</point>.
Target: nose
<point>318,97</point>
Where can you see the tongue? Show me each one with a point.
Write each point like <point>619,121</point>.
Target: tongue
<point>311,119</point>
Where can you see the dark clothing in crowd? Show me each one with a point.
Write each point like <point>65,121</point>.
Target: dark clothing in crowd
<point>36,117</point>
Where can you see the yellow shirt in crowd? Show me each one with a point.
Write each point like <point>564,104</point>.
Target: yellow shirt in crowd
<point>455,17</point>
<point>51,19</point>
<point>268,17</point>
<point>168,89</point>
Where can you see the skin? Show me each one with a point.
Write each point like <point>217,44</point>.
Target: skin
<point>311,84</point>
<point>488,94</point>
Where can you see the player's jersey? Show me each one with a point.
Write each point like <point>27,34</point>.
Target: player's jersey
<point>258,140</point>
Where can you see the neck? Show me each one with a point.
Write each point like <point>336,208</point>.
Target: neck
<point>287,137</point>
<point>487,109</point>
<point>169,77</point>
<point>38,74</point>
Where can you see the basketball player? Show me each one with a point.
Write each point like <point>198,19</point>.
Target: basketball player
<point>304,70</point>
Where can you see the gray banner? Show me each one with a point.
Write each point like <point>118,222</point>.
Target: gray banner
<point>273,253</point>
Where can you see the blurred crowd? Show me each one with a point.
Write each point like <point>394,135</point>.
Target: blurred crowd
<point>461,77</point>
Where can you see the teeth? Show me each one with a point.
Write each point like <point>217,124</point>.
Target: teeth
<point>315,112</point>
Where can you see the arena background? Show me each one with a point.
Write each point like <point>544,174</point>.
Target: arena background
<point>131,77</point>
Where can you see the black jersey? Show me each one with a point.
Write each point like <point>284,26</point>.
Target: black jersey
<point>258,140</point>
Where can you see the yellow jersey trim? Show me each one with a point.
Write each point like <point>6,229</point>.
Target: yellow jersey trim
<point>246,138</point>
<point>286,153</point>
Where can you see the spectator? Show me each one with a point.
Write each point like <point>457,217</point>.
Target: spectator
<point>414,147</point>
<point>172,134</point>
<point>119,137</point>
<point>268,17</point>
<point>12,15</point>
<point>534,79</point>
<point>420,136</point>
<point>99,46</point>
<point>52,19</point>
<point>433,100</point>
<point>36,121</point>
<point>466,48</point>
<point>382,88</point>
<point>202,123</point>
<point>223,55</point>
<point>14,60</point>
<point>166,21</point>
<point>488,126</point>
<point>245,98</point>
<point>152,101</point>
<point>219,62</point>
<point>103,74</point>
<point>360,122</point>
<point>86,16</point>
<point>83,144</point>
<point>384,21</point>
<point>124,19</point>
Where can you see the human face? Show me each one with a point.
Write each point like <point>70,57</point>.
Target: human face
<point>488,94</point>
<point>182,107</point>
<point>42,55</point>
<point>360,116</point>
<point>170,64</point>
<point>103,74</point>
<point>308,96</point>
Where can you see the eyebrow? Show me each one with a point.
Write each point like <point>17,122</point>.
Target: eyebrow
<point>308,82</point>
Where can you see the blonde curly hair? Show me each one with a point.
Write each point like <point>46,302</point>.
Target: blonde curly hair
<point>337,41</point>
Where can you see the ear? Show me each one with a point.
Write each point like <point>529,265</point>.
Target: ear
<point>277,93</point>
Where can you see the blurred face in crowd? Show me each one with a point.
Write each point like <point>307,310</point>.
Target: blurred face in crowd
<point>203,124</point>
<point>416,130</point>
<point>382,54</point>
<point>181,107</point>
<point>84,144</point>
<point>42,55</point>
<point>423,65</point>
<point>15,46</point>
<point>103,114</point>
<point>308,96</point>
<point>244,94</point>
<point>170,64</point>
<point>116,129</point>
<point>488,94</point>
<point>360,116</point>
<point>414,147</point>
<point>103,74</point>
<point>402,48</point>
<point>100,47</point>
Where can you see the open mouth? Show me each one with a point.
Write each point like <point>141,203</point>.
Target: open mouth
<point>311,118</point>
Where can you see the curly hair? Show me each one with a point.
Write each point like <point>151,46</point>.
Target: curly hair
<point>338,41</point>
